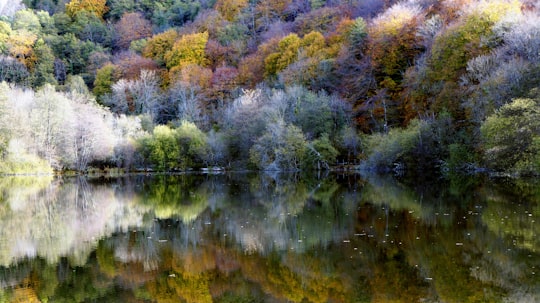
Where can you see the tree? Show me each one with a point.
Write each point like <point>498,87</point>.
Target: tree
<point>185,103</point>
<point>323,20</point>
<point>104,81</point>
<point>350,141</point>
<point>216,153</point>
<point>44,69</point>
<point>52,119</point>
<point>89,27</point>
<point>74,52</point>
<point>10,8</point>
<point>285,55</point>
<point>131,27</point>
<point>224,82</point>
<point>512,137</point>
<point>159,45</point>
<point>230,9</point>
<point>129,65</point>
<point>267,11</point>
<point>26,20</point>
<point>281,147</point>
<point>252,68</point>
<point>189,49</point>
<point>21,46</point>
<point>320,153</point>
<point>312,112</point>
<point>357,34</point>
<point>192,143</point>
<point>117,8</point>
<point>97,7</point>
<point>138,96</point>
<point>5,127</point>
<point>174,13</point>
<point>5,32</point>
<point>93,135</point>
<point>163,149</point>
<point>244,123</point>
<point>13,71</point>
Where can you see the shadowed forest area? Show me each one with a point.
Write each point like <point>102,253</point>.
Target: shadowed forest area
<point>409,86</point>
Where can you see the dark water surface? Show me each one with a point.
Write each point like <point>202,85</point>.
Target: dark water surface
<point>261,238</point>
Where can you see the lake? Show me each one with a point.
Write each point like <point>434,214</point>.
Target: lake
<point>247,237</point>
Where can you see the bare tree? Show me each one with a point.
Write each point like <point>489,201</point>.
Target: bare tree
<point>140,96</point>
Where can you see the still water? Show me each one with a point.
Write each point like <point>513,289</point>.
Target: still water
<point>268,238</point>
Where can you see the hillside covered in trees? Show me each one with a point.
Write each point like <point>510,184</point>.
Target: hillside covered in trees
<point>412,85</point>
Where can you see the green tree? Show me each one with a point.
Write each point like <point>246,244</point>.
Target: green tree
<point>320,153</point>
<point>193,144</point>
<point>44,69</point>
<point>26,20</point>
<point>281,147</point>
<point>163,148</point>
<point>104,81</point>
<point>512,137</point>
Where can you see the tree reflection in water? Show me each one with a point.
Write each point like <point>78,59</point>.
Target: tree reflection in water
<point>279,238</point>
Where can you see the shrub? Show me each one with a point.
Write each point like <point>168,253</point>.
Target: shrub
<point>385,150</point>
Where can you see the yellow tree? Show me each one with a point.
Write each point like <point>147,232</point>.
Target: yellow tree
<point>159,45</point>
<point>189,49</point>
<point>97,7</point>
<point>21,46</point>
<point>286,54</point>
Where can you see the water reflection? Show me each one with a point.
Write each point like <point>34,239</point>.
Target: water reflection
<point>258,238</point>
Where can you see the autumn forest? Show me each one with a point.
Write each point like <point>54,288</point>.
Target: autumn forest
<point>408,86</point>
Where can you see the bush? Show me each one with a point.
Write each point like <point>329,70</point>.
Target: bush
<point>170,149</point>
<point>424,146</point>
<point>387,150</point>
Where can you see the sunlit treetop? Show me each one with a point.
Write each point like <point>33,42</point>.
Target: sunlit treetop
<point>97,7</point>
<point>493,10</point>
<point>189,49</point>
<point>393,20</point>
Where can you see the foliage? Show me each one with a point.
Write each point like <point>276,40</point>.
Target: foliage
<point>321,66</point>
<point>229,9</point>
<point>320,153</point>
<point>162,148</point>
<point>286,54</point>
<point>97,7</point>
<point>171,149</point>
<point>104,81</point>
<point>281,147</point>
<point>159,45</point>
<point>511,137</point>
<point>394,148</point>
<point>189,49</point>
<point>13,71</point>
<point>131,27</point>
<point>192,142</point>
